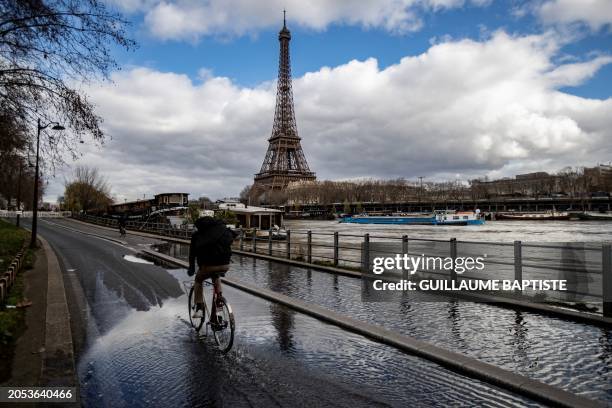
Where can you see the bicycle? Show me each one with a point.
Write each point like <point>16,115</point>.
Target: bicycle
<point>222,324</point>
<point>122,231</point>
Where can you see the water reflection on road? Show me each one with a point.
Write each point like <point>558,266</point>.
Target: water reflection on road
<point>576,357</point>
<point>282,358</point>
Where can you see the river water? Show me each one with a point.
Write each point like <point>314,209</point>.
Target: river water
<point>492,231</point>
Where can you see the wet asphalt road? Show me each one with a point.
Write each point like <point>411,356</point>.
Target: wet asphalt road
<point>135,347</point>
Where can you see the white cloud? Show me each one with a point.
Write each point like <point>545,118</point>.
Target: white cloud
<point>595,13</point>
<point>190,19</point>
<point>463,107</point>
<point>575,74</point>
<point>131,6</point>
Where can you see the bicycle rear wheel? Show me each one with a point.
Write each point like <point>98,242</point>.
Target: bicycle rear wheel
<point>196,323</point>
<point>224,328</point>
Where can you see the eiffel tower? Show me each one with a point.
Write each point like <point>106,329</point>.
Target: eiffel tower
<point>285,161</point>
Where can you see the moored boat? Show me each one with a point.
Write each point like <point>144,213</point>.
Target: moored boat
<point>436,218</point>
<point>595,216</point>
<point>543,216</point>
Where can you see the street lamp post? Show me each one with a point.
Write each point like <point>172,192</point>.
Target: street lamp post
<point>19,191</point>
<point>420,193</point>
<point>40,128</point>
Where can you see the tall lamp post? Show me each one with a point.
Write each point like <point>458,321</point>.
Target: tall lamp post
<point>40,128</point>
<point>19,192</point>
<point>420,193</point>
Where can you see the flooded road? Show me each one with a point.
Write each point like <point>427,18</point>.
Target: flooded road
<point>280,358</point>
<point>573,356</point>
<point>138,350</point>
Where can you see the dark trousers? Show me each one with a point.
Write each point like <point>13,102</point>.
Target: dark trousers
<point>204,273</point>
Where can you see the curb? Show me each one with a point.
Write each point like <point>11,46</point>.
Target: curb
<point>58,366</point>
<point>457,362</point>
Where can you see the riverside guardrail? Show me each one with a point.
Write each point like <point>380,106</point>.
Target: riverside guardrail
<point>587,266</point>
<point>28,214</point>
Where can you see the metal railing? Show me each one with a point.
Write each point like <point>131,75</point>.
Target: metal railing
<point>157,228</point>
<point>587,266</point>
<point>40,213</point>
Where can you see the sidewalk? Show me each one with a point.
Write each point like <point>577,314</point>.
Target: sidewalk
<point>44,353</point>
<point>26,366</point>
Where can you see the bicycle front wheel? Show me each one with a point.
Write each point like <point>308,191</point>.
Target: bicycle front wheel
<point>225,327</point>
<point>196,323</point>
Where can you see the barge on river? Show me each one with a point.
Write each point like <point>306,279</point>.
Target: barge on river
<point>595,216</point>
<point>540,216</point>
<point>436,218</point>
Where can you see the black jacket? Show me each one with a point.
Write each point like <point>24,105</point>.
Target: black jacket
<point>211,244</point>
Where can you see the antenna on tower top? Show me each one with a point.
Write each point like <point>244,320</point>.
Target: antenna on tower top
<point>284,18</point>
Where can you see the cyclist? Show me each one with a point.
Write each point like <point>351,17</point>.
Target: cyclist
<point>121,222</point>
<point>211,246</point>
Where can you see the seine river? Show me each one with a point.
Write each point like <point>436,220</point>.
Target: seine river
<point>492,231</point>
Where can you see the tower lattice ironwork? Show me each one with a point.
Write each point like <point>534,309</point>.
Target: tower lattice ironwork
<point>285,161</point>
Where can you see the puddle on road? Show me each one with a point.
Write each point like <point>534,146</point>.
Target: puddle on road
<point>136,259</point>
<point>280,358</point>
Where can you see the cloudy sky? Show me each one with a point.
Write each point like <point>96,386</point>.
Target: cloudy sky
<point>445,89</point>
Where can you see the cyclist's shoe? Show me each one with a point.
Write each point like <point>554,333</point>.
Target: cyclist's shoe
<point>199,312</point>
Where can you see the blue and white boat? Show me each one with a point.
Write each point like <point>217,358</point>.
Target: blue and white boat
<point>436,218</point>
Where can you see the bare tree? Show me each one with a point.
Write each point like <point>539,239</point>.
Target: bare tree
<point>47,48</point>
<point>245,194</point>
<point>16,174</point>
<point>88,190</point>
<point>204,203</point>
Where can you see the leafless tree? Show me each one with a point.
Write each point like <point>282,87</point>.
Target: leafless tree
<point>88,190</point>
<point>16,174</point>
<point>48,49</point>
<point>245,194</point>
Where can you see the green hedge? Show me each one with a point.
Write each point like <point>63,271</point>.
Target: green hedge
<point>12,320</point>
<point>11,241</point>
